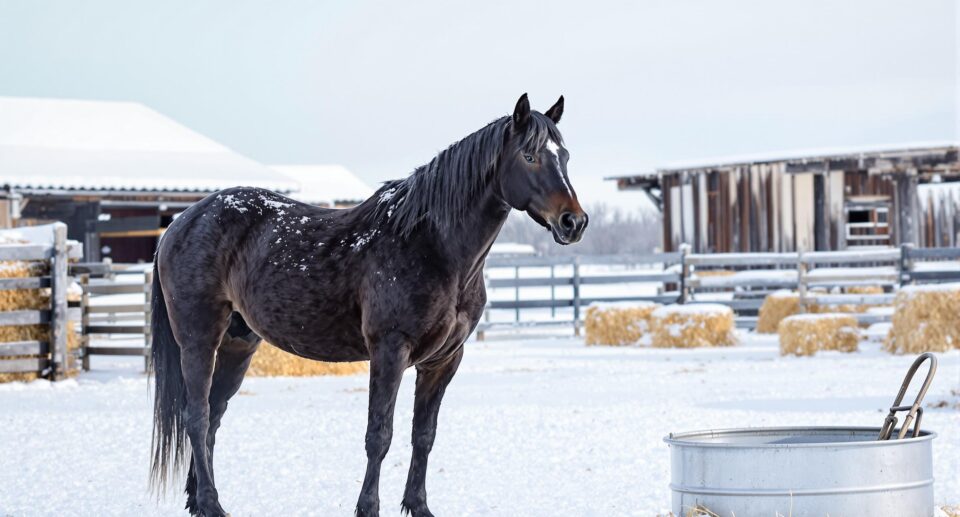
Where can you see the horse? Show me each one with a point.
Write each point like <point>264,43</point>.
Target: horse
<point>397,279</point>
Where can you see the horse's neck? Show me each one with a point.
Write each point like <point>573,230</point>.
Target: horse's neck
<point>469,239</point>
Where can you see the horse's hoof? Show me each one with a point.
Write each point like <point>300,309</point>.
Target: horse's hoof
<point>209,508</point>
<point>367,508</point>
<point>416,510</point>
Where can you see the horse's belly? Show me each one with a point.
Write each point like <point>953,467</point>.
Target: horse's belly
<point>322,335</point>
<point>330,349</point>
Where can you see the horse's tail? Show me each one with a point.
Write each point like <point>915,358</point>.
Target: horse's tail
<point>169,434</point>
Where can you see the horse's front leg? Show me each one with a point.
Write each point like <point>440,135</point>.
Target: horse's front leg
<point>389,357</point>
<point>432,381</point>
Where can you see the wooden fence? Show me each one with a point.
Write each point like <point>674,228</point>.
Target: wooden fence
<point>126,318</point>
<point>48,358</point>
<point>738,280</point>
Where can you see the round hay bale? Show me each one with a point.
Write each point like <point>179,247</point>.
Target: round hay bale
<point>617,324</point>
<point>270,361</point>
<point>925,319</point>
<point>693,325</point>
<point>777,306</point>
<point>805,334</point>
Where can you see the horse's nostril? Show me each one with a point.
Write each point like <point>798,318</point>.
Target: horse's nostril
<point>568,221</point>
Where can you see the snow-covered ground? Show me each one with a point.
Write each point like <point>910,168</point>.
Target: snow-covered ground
<point>532,427</point>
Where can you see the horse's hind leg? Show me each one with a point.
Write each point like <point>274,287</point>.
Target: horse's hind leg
<point>233,358</point>
<point>199,330</point>
<point>431,383</point>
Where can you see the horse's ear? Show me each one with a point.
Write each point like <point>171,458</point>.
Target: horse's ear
<point>555,111</point>
<point>521,114</point>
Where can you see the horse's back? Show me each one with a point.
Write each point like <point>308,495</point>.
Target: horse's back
<point>283,265</point>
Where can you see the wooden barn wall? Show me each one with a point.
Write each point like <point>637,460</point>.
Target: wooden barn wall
<point>803,209</point>
<point>939,207</point>
<point>667,182</point>
<point>835,210</point>
<point>786,213</point>
<point>761,208</point>
<point>739,209</point>
<point>860,183</point>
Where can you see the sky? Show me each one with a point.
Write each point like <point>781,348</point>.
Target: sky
<point>380,87</point>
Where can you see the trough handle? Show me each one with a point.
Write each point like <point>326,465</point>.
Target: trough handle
<point>914,412</point>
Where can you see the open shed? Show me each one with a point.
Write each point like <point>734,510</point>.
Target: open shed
<point>827,199</point>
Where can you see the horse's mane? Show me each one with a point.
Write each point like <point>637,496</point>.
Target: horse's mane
<point>442,190</point>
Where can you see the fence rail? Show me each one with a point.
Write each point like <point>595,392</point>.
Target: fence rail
<point>738,280</point>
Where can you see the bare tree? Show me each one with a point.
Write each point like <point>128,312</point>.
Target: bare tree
<point>611,231</point>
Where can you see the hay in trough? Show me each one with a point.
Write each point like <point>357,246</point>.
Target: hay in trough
<point>694,325</point>
<point>925,319</point>
<point>805,334</point>
<point>617,324</point>
<point>22,300</point>
<point>270,361</point>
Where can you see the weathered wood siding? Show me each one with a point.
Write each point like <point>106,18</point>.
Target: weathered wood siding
<point>939,214</point>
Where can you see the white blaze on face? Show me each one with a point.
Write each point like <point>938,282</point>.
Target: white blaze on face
<point>554,149</point>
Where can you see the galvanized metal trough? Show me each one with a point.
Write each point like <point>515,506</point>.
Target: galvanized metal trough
<point>801,471</point>
<point>809,471</point>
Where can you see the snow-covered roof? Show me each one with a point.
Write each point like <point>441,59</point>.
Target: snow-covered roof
<point>325,184</point>
<point>816,154</point>
<point>105,145</point>
<point>803,156</point>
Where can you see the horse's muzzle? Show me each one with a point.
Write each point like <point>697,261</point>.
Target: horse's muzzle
<point>568,227</point>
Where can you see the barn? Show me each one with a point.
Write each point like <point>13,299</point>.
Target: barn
<point>118,172</point>
<point>827,199</point>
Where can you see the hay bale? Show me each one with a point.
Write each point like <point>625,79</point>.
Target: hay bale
<point>270,361</point>
<point>781,304</point>
<point>925,319</point>
<point>777,306</point>
<point>863,289</point>
<point>617,324</point>
<point>27,299</point>
<point>693,325</point>
<point>805,334</point>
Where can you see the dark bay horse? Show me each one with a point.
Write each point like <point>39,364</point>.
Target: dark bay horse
<point>396,280</point>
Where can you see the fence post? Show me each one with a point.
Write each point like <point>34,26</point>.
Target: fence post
<point>906,265</point>
<point>801,282</point>
<point>684,271</point>
<point>85,321</point>
<point>59,282</point>
<point>553,293</point>
<point>516,293</point>
<point>576,295</point>
<point>147,307</point>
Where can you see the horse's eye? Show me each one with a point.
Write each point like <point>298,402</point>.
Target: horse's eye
<point>528,158</point>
